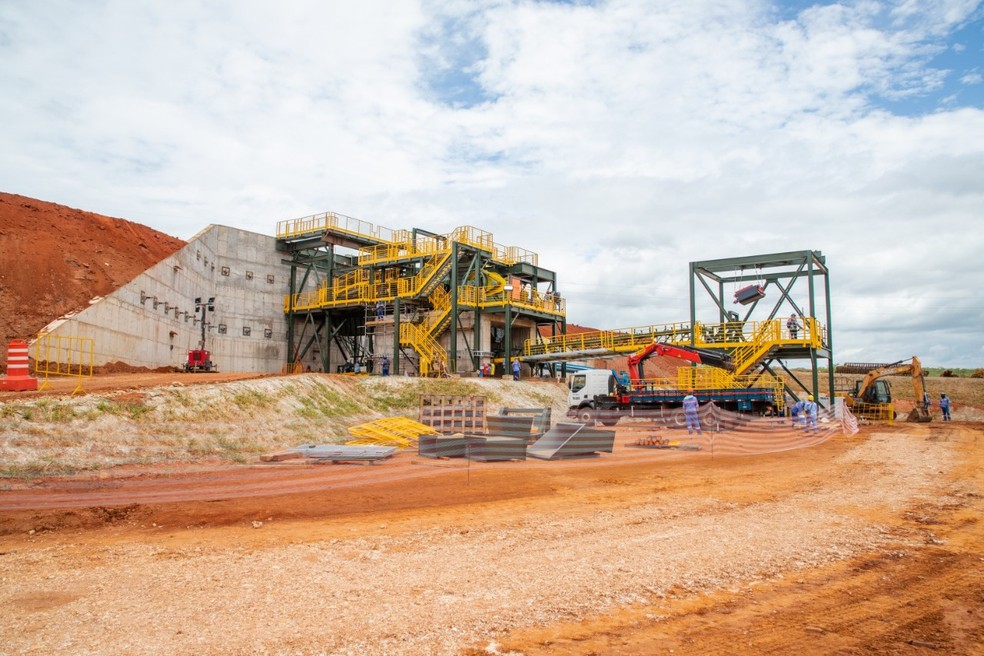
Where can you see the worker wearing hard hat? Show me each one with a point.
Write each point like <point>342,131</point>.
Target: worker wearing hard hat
<point>690,407</point>
<point>810,415</point>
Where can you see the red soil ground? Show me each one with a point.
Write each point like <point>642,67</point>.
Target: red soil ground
<point>55,259</point>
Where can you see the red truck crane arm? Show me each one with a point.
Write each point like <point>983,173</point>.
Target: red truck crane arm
<point>699,356</point>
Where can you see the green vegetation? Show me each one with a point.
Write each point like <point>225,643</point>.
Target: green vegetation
<point>50,410</point>
<point>936,372</point>
<point>47,466</point>
<point>324,402</point>
<point>251,398</point>
<point>134,411</point>
<point>183,399</point>
<point>407,397</point>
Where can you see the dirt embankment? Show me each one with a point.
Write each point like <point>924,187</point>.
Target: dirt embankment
<point>55,259</point>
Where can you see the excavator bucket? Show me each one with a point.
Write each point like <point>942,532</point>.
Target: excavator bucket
<point>920,415</point>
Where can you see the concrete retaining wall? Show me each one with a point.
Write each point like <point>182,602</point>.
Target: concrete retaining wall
<point>151,321</point>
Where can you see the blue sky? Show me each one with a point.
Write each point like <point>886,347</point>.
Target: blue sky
<point>620,140</point>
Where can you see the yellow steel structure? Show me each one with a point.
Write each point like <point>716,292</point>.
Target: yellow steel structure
<point>390,431</point>
<point>415,266</point>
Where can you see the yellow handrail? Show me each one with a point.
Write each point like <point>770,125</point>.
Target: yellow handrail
<point>433,357</point>
<point>622,340</point>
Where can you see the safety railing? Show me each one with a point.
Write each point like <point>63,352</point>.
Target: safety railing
<point>749,341</point>
<point>440,301</point>
<point>63,355</point>
<point>432,356</point>
<point>332,221</point>
<point>702,379</point>
<point>406,248</point>
<point>514,255</point>
<point>354,288</point>
<point>622,340</point>
<point>761,341</point>
<point>735,334</point>
<point>495,296</point>
<point>390,431</point>
<point>430,275</point>
<point>480,239</point>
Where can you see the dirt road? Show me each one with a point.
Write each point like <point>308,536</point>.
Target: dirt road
<point>116,384</point>
<point>871,544</point>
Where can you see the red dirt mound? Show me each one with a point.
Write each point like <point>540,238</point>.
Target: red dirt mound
<point>55,259</point>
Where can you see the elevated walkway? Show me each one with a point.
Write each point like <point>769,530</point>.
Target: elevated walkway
<point>748,344</point>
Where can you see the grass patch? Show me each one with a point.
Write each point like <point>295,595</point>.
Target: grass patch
<point>50,410</point>
<point>324,402</point>
<point>130,410</point>
<point>542,399</point>
<point>400,398</point>
<point>183,399</point>
<point>251,398</point>
<point>47,466</point>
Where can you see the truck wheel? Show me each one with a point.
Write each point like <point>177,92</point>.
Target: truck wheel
<point>586,416</point>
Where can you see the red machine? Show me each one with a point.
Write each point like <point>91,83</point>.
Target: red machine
<point>700,356</point>
<point>199,360</point>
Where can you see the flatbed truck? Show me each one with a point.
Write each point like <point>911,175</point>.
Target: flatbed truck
<point>598,395</point>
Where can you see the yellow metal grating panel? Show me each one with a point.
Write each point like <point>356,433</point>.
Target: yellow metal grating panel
<point>390,431</point>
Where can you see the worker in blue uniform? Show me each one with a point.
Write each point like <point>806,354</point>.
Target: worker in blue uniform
<point>810,415</point>
<point>690,407</point>
<point>796,411</point>
<point>945,407</point>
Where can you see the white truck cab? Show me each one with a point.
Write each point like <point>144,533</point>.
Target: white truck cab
<point>585,385</point>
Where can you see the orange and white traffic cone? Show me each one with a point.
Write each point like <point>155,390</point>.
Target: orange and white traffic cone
<point>18,378</point>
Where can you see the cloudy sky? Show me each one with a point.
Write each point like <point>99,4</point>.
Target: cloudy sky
<point>620,140</point>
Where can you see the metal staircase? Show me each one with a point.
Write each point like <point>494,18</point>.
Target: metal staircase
<point>433,357</point>
<point>764,338</point>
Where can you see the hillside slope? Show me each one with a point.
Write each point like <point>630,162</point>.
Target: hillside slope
<point>54,259</point>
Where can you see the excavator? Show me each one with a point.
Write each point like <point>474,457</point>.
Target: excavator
<point>872,396</point>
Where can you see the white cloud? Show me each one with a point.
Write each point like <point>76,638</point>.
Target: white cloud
<point>620,140</point>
